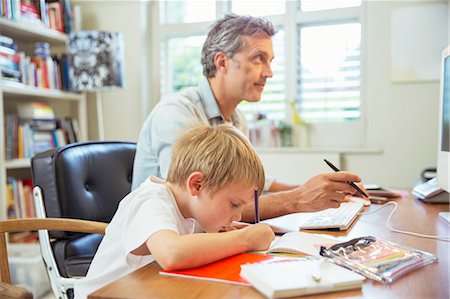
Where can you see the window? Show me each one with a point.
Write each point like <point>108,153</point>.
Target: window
<point>316,5</point>
<point>317,60</point>
<point>330,72</point>
<point>258,9</point>
<point>180,66</point>
<point>186,11</point>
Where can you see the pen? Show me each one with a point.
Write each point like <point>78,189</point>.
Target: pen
<point>256,206</point>
<point>350,183</point>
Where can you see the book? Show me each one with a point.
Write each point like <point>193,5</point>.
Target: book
<point>55,16</point>
<point>289,278</point>
<point>375,190</point>
<point>35,110</point>
<point>224,270</point>
<point>301,243</point>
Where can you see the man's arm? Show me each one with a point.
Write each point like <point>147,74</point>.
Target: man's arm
<point>320,192</point>
<point>277,186</point>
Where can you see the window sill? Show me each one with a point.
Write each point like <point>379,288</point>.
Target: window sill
<point>296,150</point>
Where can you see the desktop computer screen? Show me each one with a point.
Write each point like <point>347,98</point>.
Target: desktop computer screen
<point>443,163</point>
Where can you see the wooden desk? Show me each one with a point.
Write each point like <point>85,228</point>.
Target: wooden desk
<point>431,281</point>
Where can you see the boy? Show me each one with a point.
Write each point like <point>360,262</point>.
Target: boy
<point>211,178</point>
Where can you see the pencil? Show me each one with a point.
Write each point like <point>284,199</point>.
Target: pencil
<point>256,206</point>
<point>350,183</point>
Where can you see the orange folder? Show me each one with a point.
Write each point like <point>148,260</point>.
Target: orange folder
<point>224,270</point>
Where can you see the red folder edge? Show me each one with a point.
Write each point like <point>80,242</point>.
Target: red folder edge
<point>225,270</point>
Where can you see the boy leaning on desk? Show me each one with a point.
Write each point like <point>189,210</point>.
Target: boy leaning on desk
<point>212,177</point>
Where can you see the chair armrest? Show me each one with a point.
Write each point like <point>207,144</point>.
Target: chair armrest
<point>10,291</point>
<point>60,224</point>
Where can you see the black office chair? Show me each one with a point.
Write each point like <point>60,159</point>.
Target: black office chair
<point>81,181</point>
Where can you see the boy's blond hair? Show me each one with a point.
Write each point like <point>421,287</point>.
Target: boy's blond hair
<point>222,154</point>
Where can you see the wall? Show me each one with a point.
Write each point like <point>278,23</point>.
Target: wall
<point>122,109</point>
<point>402,118</point>
<point>401,122</point>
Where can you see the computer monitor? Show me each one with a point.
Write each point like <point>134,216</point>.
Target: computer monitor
<point>443,162</point>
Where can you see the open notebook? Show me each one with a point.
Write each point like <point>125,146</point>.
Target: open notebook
<point>289,278</point>
<point>301,243</point>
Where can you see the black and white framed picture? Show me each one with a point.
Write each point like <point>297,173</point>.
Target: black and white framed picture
<point>96,60</point>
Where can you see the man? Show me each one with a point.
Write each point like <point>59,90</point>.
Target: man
<point>236,59</point>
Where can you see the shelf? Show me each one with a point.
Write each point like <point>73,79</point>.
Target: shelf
<point>25,34</point>
<point>18,163</point>
<point>15,89</point>
<point>31,32</point>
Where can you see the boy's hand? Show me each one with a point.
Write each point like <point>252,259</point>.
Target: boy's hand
<point>259,236</point>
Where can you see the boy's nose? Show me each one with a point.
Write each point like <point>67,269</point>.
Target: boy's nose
<point>236,217</point>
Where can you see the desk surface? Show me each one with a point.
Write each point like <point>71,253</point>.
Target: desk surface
<point>431,281</point>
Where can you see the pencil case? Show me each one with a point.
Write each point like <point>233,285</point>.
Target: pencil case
<point>379,260</point>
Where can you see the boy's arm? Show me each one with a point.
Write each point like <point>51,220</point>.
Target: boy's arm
<point>173,251</point>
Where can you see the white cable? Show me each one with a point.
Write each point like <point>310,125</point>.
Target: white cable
<point>441,238</point>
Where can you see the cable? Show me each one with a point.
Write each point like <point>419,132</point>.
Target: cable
<point>441,238</point>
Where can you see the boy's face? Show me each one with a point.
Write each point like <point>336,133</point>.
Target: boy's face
<point>224,207</point>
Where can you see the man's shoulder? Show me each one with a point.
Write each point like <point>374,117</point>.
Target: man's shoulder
<point>186,97</point>
<point>187,102</point>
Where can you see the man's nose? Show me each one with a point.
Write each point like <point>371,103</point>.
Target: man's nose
<point>267,72</point>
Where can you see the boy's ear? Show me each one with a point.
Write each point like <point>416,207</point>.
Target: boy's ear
<point>194,182</point>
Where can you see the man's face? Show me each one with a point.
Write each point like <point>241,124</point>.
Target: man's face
<point>224,207</point>
<point>249,68</point>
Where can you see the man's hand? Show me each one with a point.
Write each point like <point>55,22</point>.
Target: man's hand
<point>324,191</point>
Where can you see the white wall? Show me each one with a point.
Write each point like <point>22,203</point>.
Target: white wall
<point>122,109</point>
<point>402,118</point>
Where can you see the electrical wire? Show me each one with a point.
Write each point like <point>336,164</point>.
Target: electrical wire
<point>441,238</point>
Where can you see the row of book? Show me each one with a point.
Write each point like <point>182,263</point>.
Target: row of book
<point>41,71</point>
<point>27,137</point>
<point>19,198</point>
<point>54,14</point>
<point>20,204</point>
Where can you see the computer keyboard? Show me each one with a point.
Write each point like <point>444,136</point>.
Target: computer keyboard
<point>340,218</point>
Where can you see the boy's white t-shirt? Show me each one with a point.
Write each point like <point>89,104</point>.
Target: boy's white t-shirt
<point>146,210</point>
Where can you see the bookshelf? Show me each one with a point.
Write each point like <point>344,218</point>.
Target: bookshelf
<point>63,103</point>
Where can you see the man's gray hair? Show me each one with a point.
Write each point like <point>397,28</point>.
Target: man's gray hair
<point>225,37</point>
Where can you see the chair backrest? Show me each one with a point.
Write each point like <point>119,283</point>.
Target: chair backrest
<point>84,180</point>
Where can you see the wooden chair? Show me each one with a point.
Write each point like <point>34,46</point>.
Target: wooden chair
<point>54,224</point>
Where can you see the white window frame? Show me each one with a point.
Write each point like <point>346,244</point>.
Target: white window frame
<point>323,135</point>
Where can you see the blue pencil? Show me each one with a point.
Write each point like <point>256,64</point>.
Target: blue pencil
<point>256,206</point>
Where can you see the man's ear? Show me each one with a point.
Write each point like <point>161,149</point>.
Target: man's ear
<point>194,182</point>
<point>221,62</point>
